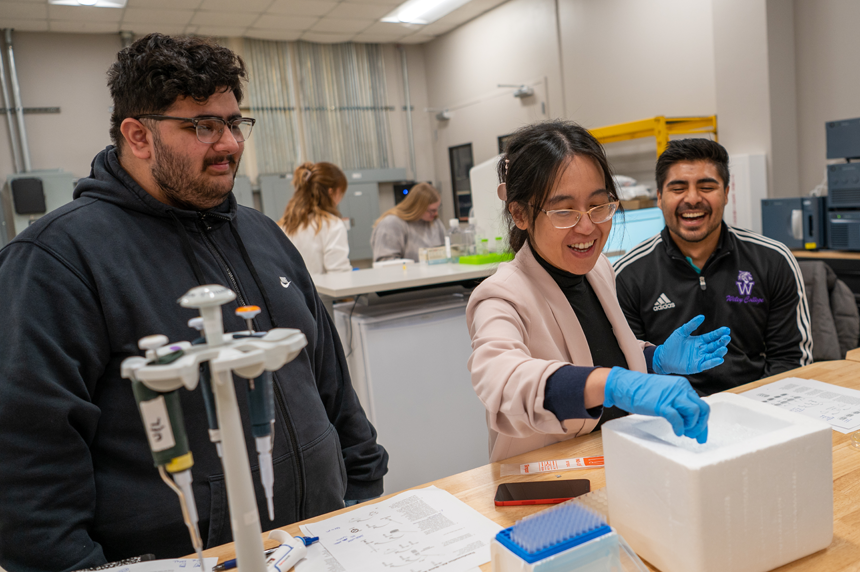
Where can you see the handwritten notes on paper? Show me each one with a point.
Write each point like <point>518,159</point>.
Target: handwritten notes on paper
<point>416,531</point>
<point>836,405</point>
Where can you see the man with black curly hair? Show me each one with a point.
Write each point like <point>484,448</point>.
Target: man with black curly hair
<point>82,285</point>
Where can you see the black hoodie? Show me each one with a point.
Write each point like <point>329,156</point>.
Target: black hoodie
<point>80,287</point>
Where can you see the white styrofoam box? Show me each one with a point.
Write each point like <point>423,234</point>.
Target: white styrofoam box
<point>757,495</point>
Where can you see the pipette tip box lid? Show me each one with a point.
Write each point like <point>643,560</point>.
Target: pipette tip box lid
<point>757,495</point>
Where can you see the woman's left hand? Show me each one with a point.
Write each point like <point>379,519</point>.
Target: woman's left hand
<point>684,353</point>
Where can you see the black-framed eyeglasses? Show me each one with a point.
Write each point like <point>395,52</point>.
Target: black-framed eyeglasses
<point>210,129</point>
<point>568,218</point>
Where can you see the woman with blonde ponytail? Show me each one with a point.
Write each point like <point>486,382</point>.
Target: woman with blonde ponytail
<point>411,225</point>
<point>311,220</point>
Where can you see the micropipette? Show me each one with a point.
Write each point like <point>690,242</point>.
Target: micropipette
<point>261,407</point>
<point>206,389</point>
<point>168,442</point>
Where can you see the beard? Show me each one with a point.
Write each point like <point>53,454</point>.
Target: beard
<point>186,186</point>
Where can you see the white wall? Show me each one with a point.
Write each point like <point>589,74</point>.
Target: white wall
<point>515,43</point>
<point>613,61</point>
<point>626,60</point>
<point>69,71</point>
<point>828,83</point>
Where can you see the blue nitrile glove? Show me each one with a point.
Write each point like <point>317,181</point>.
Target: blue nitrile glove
<point>670,397</point>
<point>684,354</point>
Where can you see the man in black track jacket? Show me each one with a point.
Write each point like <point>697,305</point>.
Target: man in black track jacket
<point>700,265</point>
<point>84,283</point>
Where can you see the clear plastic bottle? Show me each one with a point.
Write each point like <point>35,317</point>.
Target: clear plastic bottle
<point>455,239</point>
<point>470,234</point>
<point>499,246</point>
<point>483,246</point>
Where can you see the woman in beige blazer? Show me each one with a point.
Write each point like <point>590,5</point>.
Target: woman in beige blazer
<point>551,349</point>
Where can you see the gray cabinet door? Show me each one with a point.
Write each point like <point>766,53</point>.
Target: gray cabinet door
<point>361,206</point>
<point>275,193</point>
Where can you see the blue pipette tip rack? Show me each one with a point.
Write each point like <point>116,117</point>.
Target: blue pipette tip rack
<point>569,535</point>
<point>552,531</point>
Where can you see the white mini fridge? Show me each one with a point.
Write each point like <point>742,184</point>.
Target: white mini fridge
<point>407,361</point>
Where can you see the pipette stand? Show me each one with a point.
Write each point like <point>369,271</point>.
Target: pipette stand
<point>247,357</point>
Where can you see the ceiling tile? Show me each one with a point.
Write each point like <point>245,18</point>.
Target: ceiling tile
<point>438,28</point>
<point>84,13</point>
<point>375,39</point>
<point>327,24</point>
<point>323,38</point>
<point>156,16</point>
<point>233,5</point>
<point>302,7</point>
<point>279,22</point>
<point>282,35</point>
<point>360,11</point>
<point>168,4</point>
<point>221,31</point>
<point>141,29</point>
<point>23,11</point>
<point>78,26</point>
<point>392,29</point>
<point>417,39</point>
<point>26,25</point>
<point>224,19</point>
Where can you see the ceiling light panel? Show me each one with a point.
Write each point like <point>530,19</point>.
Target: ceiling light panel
<point>90,3</point>
<point>423,11</point>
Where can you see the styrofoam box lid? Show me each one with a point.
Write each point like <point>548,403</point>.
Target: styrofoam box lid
<point>737,426</point>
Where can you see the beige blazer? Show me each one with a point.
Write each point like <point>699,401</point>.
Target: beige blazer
<point>523,329</point>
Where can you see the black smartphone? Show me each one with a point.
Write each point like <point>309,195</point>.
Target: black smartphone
<point>540,492</point>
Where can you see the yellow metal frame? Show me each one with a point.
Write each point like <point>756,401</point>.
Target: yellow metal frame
<point>659,127</point>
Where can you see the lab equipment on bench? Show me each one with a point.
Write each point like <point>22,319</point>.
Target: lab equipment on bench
<point>157,379</point>
<point>798,222</point>
<point>568,537</point>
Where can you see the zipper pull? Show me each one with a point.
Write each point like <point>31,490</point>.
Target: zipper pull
<point>204,222</point>
<point>702,284</point>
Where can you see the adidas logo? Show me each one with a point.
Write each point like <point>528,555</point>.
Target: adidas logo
<point>663,303</point>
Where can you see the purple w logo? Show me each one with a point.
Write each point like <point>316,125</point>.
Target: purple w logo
<point>745,283</point>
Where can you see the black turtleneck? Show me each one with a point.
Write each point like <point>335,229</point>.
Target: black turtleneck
<point>564,390</point>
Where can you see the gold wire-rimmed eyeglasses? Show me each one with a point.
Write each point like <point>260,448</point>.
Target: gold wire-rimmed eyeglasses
<point>569,218</point>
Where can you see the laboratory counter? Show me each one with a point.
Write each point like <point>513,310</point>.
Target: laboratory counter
<point>477,487</point>
<point>337,285</point>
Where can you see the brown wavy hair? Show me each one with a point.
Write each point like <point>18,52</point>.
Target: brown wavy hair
<point>311,201</point>
<point>415,204</point>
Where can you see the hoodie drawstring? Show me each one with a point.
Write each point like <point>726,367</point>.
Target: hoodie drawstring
<point>253,270</point>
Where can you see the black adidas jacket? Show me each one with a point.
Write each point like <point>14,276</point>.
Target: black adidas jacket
<point>750,283</point>
<point>80,287</point>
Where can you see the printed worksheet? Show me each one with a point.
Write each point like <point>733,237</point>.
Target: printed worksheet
<point>416,531</point>
<point>836,405</point>
<point>175,565</point>
<point>317,559</point>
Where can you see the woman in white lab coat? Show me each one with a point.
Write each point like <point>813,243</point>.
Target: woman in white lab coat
<point>411,225</point>
<point>311,220</point>
<point>550,345</point>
